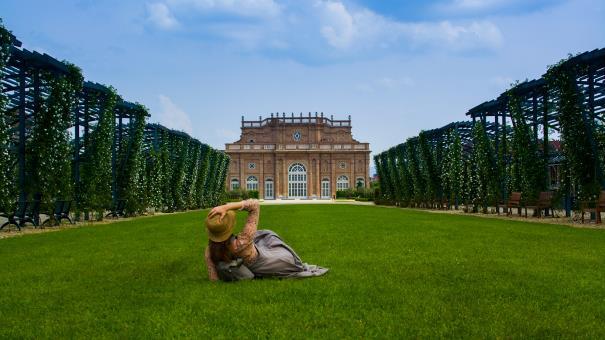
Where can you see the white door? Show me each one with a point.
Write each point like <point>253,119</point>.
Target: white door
<point>325,188</point>
<point>269,189</point>
<point>297,181</point>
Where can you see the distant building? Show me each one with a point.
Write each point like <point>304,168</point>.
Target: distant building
<point>304,157</point>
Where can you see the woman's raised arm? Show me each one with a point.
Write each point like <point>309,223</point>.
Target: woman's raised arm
<point>253,209</point>
<point>221,210</point>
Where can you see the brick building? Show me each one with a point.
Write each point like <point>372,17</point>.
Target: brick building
<point>297,157</point>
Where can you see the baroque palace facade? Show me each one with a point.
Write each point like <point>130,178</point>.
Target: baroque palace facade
<point>297,157</point>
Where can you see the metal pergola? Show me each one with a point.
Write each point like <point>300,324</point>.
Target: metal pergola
<point>539,103</point>
<point>24,86</point>
<point>25,90</point>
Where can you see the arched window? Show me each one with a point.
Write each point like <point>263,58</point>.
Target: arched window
<point>297,181</point>
<point>234,184</point>
<point>342,183</point>
<point>325,188</point>
<point>252,183</point>
<point>360,183</point>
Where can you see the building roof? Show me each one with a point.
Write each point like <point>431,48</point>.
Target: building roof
<point>283,119</point>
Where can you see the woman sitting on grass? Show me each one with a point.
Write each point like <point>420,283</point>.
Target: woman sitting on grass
<point>252,253</point>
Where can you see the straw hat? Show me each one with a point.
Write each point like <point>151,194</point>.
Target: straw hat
<point>220,230</point>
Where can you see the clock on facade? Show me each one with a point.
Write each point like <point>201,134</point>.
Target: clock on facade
<point>296,136</point>
<point>251,165</point>
<point>342,165</point>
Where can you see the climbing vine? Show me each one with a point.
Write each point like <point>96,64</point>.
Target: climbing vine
<point>389,191</point>
<point>202,175</point>
<point>415,172</point>
<point>130,187</point>
<point>192,174</point>
<point>8,190</point>
<point>577,132</point>
<point>405,183</point>
<point>452,167</point>
<point>219,187</point>
<point>155,179</point>
<point>96,175</point>
<point>112,163</point>
<point>395,180</point>
<point>483,169</point>
<point>528,168</point>
<point>51,172</point>
<point>429,174</point>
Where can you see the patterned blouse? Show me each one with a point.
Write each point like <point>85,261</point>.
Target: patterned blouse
<point>244,241</point>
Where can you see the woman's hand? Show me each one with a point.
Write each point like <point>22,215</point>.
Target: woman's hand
<point>221,210</point>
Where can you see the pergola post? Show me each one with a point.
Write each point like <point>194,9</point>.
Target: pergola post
<point>21,148</point>
<point>114,154</point>
<point>77,148</point>
<point>591,110</point>
<point>534,102</point>
<point>545,145</point>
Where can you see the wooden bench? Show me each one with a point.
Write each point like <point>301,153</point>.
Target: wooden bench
<point>514,201</point>
<point>544,202</point>
<point>595,207</point>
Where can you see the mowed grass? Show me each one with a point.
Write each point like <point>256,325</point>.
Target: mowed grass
<point>393,273</point>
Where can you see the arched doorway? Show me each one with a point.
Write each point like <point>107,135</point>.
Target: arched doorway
<point>297,181</point>
<point>269,195</point>
<point>325,188</point>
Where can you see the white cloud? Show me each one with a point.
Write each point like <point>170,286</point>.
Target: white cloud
<point>494,7</point>
<point>337,25</point>
<point>324,28</point>
<point>161,16</point>
<point>245,8</point>
<point>482,34</point>
<point>346,28</point>
<point>172,116</point>
<point>475,4</point>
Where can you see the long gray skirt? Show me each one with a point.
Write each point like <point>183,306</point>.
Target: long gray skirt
<point>277,259</point>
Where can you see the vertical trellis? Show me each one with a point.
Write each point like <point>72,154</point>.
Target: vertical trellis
<point>62,138</point>
<point>8,188</point>
<point>569,99</point>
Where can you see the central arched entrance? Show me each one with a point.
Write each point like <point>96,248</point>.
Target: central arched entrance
<point>297,181</point>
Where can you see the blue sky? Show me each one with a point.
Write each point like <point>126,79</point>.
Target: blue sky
<point>396,67</point>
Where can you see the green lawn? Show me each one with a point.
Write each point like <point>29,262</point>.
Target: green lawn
<point>393,273</point>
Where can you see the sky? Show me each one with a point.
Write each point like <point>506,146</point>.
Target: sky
<point>397,67</point>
